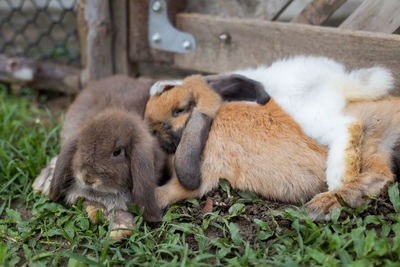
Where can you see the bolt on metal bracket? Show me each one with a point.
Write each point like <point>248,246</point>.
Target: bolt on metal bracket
<point>163,35</point>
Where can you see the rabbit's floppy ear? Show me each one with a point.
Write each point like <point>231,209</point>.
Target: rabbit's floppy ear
<point>144,180</point>
<point>235,87</point>
<point>188,152</point>
<point>63,174</point>
<point>195,133</point>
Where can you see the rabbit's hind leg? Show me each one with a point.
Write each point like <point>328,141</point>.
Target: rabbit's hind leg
<point>375,176</point>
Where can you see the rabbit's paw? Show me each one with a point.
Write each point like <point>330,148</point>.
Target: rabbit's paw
<point>91,209</point>
<point>122,226</point>
<point>320,207</point>
<point>120,231</point>
<point>42,182</point>
<point>92,213</point>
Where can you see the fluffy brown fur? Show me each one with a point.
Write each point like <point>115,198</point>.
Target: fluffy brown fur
<point>108,155</point>
<point>262,149</point>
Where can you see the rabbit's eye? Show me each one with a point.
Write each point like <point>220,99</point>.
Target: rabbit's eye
<point>118,151</point>
<point>178,112</point>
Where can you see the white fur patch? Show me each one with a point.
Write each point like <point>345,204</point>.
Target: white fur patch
<point>79,178</point>
<point>158,87</point>
<point>336,160</point>
<point>252,103</point>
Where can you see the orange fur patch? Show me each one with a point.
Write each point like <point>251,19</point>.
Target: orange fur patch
<point>378,166</point>
<point>92,213</point>
<point>159,108</point>
<point>353,153</point>
<point>207,101</point>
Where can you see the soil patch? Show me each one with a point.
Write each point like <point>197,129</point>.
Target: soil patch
<point>261,209</point>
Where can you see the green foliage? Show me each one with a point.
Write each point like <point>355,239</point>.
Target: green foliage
<point>37,232</point>
<point>394,197</point>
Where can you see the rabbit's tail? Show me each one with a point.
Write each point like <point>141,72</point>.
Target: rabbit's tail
<point>368,84</point>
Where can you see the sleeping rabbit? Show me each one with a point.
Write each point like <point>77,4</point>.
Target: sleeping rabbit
<point>108,155</point>
<point>314,91</point>
<point>187,143</point>
<point>262,149</point>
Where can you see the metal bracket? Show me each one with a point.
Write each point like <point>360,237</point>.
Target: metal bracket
<point>163,35</point>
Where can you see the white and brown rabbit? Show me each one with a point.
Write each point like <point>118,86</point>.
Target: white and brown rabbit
<point>314,92</point>
<point>108,155</point>
<point>262,149</point>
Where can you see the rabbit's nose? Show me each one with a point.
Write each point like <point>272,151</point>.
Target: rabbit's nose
<point>89,180</point>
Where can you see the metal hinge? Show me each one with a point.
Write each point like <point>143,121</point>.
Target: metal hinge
<point>163,35</point>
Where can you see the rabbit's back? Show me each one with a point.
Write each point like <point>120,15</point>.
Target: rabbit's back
<point>113,92</point>
<point>253,146</point>
<point>381,121</point>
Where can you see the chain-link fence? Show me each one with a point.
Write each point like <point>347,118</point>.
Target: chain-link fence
<point>40,29</point>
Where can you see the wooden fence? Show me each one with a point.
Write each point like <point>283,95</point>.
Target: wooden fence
<point>363,39</point>
<point>113,37</point>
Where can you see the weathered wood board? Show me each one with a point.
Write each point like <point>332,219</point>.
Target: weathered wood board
<point>41,75</point>
<point>119,18</point>
<point>260,9</point>
<point>94,23</point>
<point>254,42</point>
<point>375,16</point>
<point>318,11</point>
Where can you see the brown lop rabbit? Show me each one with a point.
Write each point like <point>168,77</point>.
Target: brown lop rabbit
<point>187,143</point>
<point>263,150</point>
<point>108,155</point>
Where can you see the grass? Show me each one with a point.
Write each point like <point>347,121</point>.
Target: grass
<point>243,230</point>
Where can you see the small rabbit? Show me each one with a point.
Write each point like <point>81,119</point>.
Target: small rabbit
<point>108,155</point>
<point>261,148</point>
<point>314,91</point>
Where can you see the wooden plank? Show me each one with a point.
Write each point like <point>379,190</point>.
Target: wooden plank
<point>260,9</point>
<point>97,46</point>
<point>139,48</point>
<point>318,11</point>
<point>375,16</point>
<point>40,75</point>
<point>119,17</point>
<point>82,30</point>
<point>278,7</point>
<point>254,42</point>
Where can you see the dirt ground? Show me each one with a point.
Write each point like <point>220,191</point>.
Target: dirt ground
<point>261,210</point>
